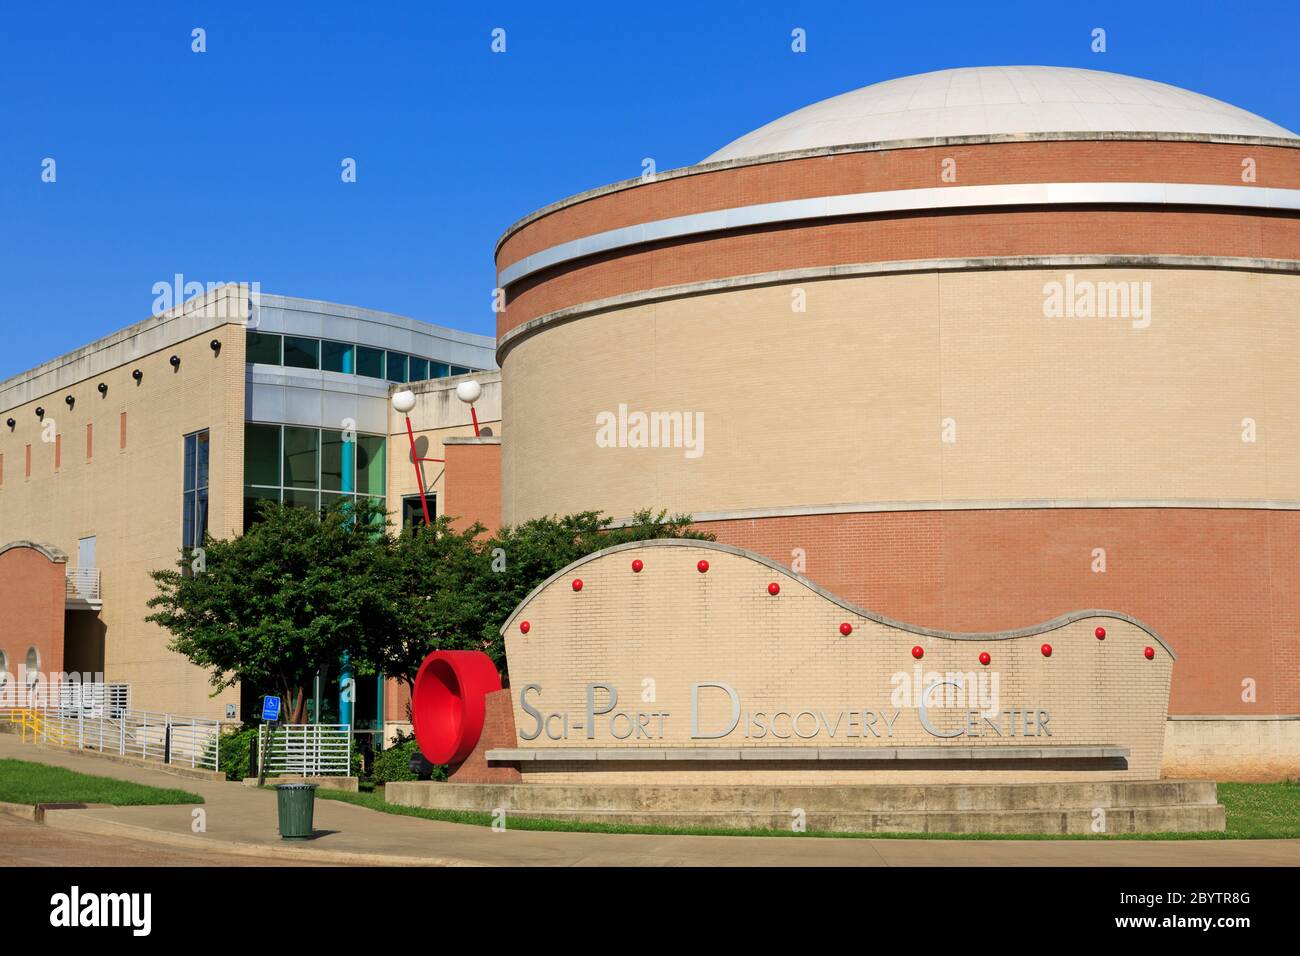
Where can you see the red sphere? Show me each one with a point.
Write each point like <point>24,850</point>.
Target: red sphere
<point>525,627</point>
<point>637,565</point>
<point>985,658</point>
<point>1101,633</point>
<point>774,589</point>
<point>1047,650</point>
<point>577,584</point>
<point>702,567</point>
<point>917,652</point>
<point>1150,653</point>
<point>846,628</point>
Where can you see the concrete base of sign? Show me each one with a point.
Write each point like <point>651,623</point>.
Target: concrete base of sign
<point>1156,806</point>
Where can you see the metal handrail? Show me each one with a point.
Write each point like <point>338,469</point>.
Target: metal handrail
<point>308,750</point>
<point>82,584</point>
<point>173,739</point>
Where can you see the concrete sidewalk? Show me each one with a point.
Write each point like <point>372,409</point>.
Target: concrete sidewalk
<point>242,821</point>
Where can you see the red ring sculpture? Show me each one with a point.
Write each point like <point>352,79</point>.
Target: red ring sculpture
<point>448,703</point>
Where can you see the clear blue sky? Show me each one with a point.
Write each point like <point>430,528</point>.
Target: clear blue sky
<point>225,165</point>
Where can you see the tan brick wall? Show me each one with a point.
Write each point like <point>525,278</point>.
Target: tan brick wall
<point>674,626</point>
<point>845,402</point>
<point>1227,749</point>
<point>130,498</point>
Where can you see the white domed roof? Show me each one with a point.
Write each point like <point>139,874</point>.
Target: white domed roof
<point>991,100</point>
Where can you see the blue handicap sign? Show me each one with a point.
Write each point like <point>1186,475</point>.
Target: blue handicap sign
<point>271,708</point>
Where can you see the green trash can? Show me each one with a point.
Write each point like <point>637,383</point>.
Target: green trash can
<point>296,802</point>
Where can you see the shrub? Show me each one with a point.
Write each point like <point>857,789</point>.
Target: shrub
<point>237,760</point>
<point>394,764</point>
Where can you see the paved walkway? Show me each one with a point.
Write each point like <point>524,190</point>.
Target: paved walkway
<point>241,821</point>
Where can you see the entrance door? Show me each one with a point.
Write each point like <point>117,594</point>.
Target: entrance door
<point>86,559</point>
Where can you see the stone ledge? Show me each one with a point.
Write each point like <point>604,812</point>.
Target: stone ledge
<point>732,754</point>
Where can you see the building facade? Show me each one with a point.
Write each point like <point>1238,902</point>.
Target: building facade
<point>971,349</point>
<point>115,457</point>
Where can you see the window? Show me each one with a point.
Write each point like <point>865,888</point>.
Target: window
<point>262,455</point>
<point>336,357</point>
<point>33,664</point>
<point>263,348</point>
<point>309,467</point>
<point>370,362</point>
<point>194,521</point>
<point>370,466</point>
<point>413,510</point>
<point>4,668</point>
<point>301,462</point>
<point>335,462</point>
<point>253,497</point>
<point>301,353</point>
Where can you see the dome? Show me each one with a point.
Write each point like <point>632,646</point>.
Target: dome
<point>997,100</point>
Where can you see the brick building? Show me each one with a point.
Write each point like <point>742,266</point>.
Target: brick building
<point>971,349</point>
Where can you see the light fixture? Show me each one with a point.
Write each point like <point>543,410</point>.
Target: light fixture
<point>11,423</point>
<point>215,345</point>
<point>137,375</point>
<point>404,401</point>
<point>69,401</point>
<point>176,361</point>
<point>470,392</point>
<point>103,388</point>
<point>40,412</point>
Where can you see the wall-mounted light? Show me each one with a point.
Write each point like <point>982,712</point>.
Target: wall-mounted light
<point>103,388</point>
<point>137,375</point>
<point>69,401</point>
<point>176,361</point>
<point>215,345</point>
<point>11,423</point>
<point>40,412</point>
<point>470,392</point>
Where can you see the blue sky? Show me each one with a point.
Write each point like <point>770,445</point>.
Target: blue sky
<point>225,165</point>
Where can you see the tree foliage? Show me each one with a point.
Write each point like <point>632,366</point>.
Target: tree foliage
<point>282,601</point>
<point>299,590</point>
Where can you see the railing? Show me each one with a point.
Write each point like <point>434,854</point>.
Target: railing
<point>94,699</point>
<point>308,750</point>
<point>82,584</point>
<point>169,738</point>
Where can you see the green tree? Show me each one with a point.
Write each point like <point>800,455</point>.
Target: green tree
<point>282,601</point>
<point>458,588</point>
<point>436,574</point>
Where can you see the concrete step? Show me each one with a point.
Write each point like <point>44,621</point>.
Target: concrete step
<point>1148,819</point>
<point>870,798</point>
<point>1150,806</point>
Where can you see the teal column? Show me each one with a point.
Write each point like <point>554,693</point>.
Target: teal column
<point>347,484</point>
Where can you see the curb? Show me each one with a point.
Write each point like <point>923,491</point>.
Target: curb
<point>80,823</point>
<point>173,770</point>
<point>23,811</point>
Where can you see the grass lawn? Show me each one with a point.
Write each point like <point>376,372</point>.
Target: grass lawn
<point>24,781</point>
<point>1256,811</point>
